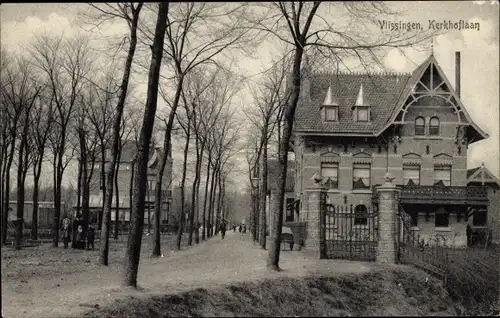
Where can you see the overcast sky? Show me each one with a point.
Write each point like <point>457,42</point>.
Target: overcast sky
<point>480,54</point>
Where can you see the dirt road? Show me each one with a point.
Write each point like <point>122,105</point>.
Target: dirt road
<point>206,265</point>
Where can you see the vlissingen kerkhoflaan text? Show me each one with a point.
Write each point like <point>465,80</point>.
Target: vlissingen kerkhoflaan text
<point>432,24</point>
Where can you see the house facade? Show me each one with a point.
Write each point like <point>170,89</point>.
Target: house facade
<point>125,166</point>
<point>486,217</point>
<point>351,129</point>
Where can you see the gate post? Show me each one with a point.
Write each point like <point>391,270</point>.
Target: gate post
<point>315,240</point>
<point>388,208</point>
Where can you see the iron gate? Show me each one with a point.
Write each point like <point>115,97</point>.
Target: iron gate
<point>349,232</point>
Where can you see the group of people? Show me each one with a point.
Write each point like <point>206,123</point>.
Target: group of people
<point>78,237</point>
<point>242,228</point>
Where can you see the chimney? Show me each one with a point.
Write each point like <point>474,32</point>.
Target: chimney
<point>457,73</point>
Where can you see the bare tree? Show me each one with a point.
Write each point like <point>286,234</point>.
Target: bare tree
<point>66,64</point>
<point>20,91</point>
<point>11,118</point>
<point>137,215</point>
<point>189,45</point>
<point>128,12</point>
<point>303,25</point>
<point>269,97</point>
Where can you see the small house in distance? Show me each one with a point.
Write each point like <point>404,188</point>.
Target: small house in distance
<point>486,217</point>
<point>126,162</point>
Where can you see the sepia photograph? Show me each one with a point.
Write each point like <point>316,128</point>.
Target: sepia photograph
<point>250,159</point>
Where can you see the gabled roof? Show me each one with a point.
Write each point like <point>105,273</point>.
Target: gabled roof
<point>481,175</point>
<point>385,93</point>
<point>380,91</point>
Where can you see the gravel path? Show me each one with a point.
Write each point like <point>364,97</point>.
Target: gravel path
<point>207,265</point>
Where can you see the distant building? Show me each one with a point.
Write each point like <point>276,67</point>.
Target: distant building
<point>488,216</point>
<point>46,212</point>
<point>128,155</point>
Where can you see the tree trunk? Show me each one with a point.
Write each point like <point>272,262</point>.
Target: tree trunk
<point>205,197</point>
<point>131,194</point>
<point>183,184</point>
<point>193,213</point>
<point>108,198</point>
<point>263,191</point>
<point>87,177</point>
<point>5,216</point>
<point>37,171</point>
<point>57,198</point>
<point>79,184</point>
<point>117,194</point>
<point>196,196</point>
<point>214,196</point>
<point>219,202</point>
<point>167,153</point>
<point>20,189</point>
<point>210,204</point>
<point>274,246</point>
<point>137,217</point>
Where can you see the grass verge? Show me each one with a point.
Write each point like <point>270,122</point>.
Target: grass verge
<point>383,292</point>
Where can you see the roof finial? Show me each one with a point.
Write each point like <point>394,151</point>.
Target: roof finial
<point>432,44</point>
<point>482,164</point>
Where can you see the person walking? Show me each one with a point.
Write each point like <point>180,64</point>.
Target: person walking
<point>80,238</point>
<point>223,229</point>
<point>90,237</point>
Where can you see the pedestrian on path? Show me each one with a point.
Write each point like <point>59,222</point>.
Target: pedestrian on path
<point>223,229</point>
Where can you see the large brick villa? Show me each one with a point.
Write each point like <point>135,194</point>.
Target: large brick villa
<point>351,129</point>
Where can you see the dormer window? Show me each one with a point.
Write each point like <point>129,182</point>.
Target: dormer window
<point>331,107</point>
<point>361,109</point>
<point>331,113</point>
<point>362,113</point>
<point>434,126</point>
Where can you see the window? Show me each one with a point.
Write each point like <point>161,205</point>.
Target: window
<point>331,113</point>
<point>434,126</point>
<point>442,219</point>
<point>361,176</point>
<point>329,172</point>
<point>360,215</point>
<point>289,209</point>
<point>479,218</point>
<point>419,126</point>
<point>411,175</point>
<point>442,175</point>
<point>362,114</point>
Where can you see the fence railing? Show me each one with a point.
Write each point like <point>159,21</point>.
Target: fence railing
<point>429,255</point>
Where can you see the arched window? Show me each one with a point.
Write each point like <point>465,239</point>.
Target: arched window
<point>360,215</point>
<point>419,126</point>
<point>434,126</point>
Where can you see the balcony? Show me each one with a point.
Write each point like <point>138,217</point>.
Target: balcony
<point>477,195</point>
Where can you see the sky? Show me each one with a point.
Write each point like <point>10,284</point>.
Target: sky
<point>479,52</point>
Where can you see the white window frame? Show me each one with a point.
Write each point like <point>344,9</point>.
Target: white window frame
<point>359,109</point>
<point>361,167</point>
<point>447,182</point>
<point>330,166</point>
<point>407,168</point>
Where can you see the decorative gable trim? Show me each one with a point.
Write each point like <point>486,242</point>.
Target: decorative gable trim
<point>412,155</point>
<point>330,157</point>
<point>443,159</point>
<point>412,159</point>
<point>483,175</point>
<point>443,156</point>
<point>362,157</point>
<point>414,80</point>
